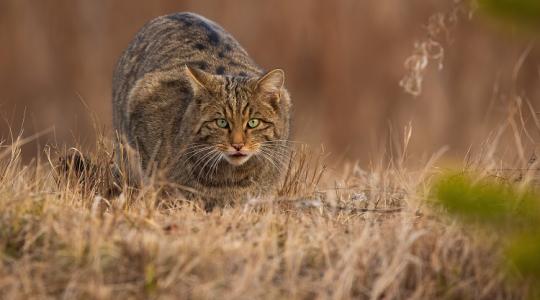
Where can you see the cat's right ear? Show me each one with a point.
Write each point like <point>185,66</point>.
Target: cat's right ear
<point>199,79</point>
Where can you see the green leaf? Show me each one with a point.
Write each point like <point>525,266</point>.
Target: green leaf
<point>523,253</point>
<point>521,12</point>
<point>488,201</point>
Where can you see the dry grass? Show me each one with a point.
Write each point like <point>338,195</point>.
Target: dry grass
<point>439,32</point>
<point>329,234</point>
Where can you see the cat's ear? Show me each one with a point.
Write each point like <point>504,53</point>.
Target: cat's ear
<point>271,87</point>
<point>200,80</point>
<point>271,82</point>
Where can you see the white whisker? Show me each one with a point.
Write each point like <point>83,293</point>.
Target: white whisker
<point>202,159</point>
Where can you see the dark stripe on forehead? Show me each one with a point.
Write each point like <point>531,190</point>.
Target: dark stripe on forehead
<point>245,109</point>
<point>230,107</point>
<point>241,97</point>
<point>233,95</point>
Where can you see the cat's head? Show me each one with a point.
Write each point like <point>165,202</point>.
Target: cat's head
<point>239,117</point>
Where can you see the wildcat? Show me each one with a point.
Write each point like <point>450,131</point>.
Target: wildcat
<point>192,104</point>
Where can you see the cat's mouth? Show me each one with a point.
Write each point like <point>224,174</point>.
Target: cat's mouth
<point>238,154</point>
<point>237,158</point>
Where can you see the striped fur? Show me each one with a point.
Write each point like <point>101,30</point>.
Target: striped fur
<point>180,73</point>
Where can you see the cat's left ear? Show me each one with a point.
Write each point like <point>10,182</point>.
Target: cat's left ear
<point>271,82</point>
<point>271,85</point>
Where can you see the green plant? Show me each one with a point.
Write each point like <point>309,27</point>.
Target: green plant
<point>499,206</point>
<point>521,12</point>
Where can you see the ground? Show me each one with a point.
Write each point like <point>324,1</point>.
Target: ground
<point>331,233</point>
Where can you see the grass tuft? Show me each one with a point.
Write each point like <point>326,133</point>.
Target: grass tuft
<point>333,231</point>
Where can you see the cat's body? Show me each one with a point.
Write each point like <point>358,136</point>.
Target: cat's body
<point>194,105</point>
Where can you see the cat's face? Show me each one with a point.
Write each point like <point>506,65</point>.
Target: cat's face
<point>239,117</point>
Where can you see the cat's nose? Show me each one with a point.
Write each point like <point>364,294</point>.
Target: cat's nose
<point>238,147</point>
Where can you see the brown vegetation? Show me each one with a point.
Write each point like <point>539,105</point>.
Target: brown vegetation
<point>355,233</point>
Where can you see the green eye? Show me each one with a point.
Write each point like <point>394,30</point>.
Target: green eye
<point>253,123</point>
<point>222,123</point>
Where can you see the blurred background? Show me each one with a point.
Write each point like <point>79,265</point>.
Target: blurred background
<point>344,60</point>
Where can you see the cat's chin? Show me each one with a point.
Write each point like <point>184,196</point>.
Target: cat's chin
<point>237,160</point>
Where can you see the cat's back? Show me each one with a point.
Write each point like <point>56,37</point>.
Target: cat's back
<point>185,38</point>
<point>172,41</point>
